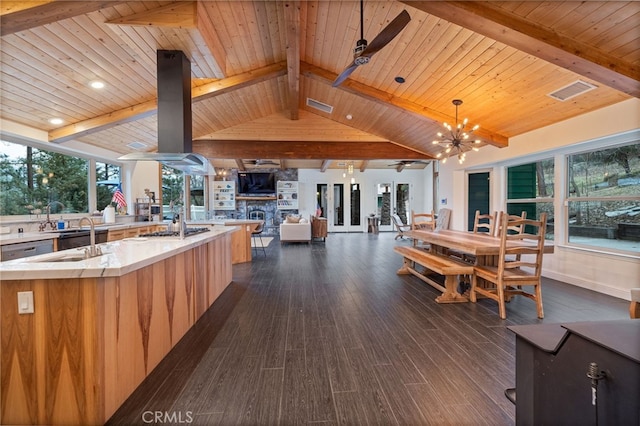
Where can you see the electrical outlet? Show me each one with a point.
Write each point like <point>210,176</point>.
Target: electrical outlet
<point>25,302</point>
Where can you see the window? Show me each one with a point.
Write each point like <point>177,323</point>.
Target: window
<point>530,188</point>
<point>107,181</point>
<point>197,199</point>
<point>172,191</point>
<point>31,179</point>
<point>604,197</point>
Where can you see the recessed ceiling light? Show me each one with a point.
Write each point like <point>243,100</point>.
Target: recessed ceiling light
<point>399,79</point>
<point>97,84</point>
<point>349,116</point>
<point>56,121</point>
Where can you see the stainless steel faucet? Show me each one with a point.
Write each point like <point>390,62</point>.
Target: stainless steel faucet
<point>92,250</point>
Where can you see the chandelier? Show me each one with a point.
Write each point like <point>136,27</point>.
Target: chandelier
<point>455,141</point>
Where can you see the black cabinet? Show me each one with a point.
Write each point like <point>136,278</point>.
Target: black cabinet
<point>552,362</point>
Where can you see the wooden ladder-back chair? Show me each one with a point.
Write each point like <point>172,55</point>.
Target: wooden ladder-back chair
<point>422,222</point>
<point>512,229</point>
<point>485,223</point>
<point>519,265</point>
<point>482,223</point>
<point>401,227</point>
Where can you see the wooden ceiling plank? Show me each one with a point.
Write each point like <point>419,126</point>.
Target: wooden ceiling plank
<point>21,18</point>
<point>375,95</point>
<point>309,150</point>
<point>292,20</point>
<point>567,53</point>
<point>175,15</point>
<point>114,118</point>
<point>204,23</point>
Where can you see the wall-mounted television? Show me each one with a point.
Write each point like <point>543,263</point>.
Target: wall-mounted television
<point>256,183</point>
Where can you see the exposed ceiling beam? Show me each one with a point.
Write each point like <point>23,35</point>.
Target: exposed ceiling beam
<point>489,20</point>
<point>292,22</point>
<point>375,95</point>
<point>364,165</point>
<point>23,15</point>
<point>174,15</point>
<point>325,165</point>
<point>240,164</point>
<point>145,109</point>
<point>307,150</point>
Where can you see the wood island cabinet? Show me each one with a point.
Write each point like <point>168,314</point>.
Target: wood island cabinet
<point>91,341</point>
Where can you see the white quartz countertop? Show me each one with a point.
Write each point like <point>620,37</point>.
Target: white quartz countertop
<point>24,237</point>
<point>118,258</point>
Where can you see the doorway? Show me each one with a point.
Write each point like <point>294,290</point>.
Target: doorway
<point>392,198</point>
<point>341,204</point>
<point>478,196</point>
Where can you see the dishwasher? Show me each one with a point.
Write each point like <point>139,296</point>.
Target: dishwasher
<point>19,250</point>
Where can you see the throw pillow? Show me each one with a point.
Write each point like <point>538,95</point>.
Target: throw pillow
<point>292,218</point>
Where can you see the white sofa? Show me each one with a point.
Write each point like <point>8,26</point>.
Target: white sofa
<point>295,232</point>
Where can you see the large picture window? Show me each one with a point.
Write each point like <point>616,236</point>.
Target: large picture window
<point>32,179</point>
<point>604,197</point>
<point>530,189</point>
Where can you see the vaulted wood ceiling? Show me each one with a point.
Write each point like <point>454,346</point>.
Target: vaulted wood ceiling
<point>255,64</point>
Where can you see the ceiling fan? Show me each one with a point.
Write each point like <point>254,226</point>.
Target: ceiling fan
<point>259,162</point>
<point>406,163</point>
<point>363,52</point>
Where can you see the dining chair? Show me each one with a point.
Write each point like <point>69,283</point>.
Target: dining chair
<point>401,227</point>
<point>482,223</point>
<point>485,222</point>
<point>519,265</point>
<point>512,229</point>
<point>422,222</point>
<point>257,234</point>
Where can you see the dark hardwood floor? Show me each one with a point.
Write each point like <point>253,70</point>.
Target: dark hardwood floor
<point>328,333</point>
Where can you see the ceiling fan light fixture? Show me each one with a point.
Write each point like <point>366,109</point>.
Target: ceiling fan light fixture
<point>457,141</point>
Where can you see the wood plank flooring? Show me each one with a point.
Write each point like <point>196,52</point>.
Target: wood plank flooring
<point>328,333</point>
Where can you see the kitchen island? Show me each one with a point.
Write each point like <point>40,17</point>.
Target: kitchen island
<point>99,326</point>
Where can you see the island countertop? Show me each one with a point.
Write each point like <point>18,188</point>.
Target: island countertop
<point>119,257</point>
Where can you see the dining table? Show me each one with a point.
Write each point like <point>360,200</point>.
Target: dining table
<point>484,247</point>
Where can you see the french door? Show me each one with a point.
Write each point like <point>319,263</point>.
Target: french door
<point>341,204</point>
<point>392,197</point>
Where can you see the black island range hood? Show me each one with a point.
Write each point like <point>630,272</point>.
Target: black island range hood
<point>174,117</point>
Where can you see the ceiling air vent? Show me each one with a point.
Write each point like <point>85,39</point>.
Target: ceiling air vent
<point>572,90</point>
<point>319,106</point>
<point>138,146</point>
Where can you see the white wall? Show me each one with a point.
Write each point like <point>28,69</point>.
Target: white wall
<point>608,273</point>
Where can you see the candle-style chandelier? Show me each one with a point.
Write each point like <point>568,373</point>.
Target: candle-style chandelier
<point>455,140</point>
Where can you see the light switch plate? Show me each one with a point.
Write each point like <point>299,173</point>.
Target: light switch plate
<point>25,302</point>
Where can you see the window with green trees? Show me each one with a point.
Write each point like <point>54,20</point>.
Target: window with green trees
<point>603,188</point>
<point>32,178</point>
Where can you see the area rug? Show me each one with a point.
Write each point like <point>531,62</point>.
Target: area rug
<point>265,241</point>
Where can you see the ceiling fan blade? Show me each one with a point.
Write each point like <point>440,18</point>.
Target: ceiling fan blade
<point>388,33</point>
<point>345,74</point>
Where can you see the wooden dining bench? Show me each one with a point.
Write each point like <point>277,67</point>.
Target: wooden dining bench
<point>448,267</point>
